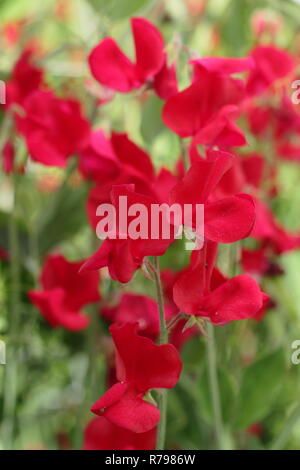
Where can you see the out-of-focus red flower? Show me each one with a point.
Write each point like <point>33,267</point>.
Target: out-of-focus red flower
<point>101,434</point>
<point>4,255</point>
<point>64,292</point>
<point>8,157</point>
<point>196,7</point>
<point>253,165</point>
<point>256,429</point>
<point>112,68</point>
<point>125,255</point>
<point>140,309</point>
<point>206,109</point>
<point>225,220</point>
<point>12,31</point>
<point>25,79</point>
<point>141,366</point>
<point>258,262</point>
<point>202,290</point>
<point>222,65</point>
<point>272,64</point>
<point>288,151</point>
<point>264,23</point>
<point>259,118</point>
<point>267,230</point>
<point>165,82</point>
<point>54,128</point>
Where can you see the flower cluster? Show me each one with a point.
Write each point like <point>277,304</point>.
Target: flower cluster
<point>217,168</point>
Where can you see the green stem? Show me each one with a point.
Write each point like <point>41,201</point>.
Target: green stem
<point>10,380</point>
<point>284,435</point>
<point>163,338</point>
<point>214,385</point>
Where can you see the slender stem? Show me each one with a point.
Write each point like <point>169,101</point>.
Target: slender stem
<point>214,385</point>
<point>163,338</point>
<point>10,381</point>
<point>284,435</point>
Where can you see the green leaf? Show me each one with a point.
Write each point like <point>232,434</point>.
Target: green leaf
<point>62,219</point>
<point>260,385</point>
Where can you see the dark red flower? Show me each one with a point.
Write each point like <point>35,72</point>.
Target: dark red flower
<point>271,64</point>
<point>165,82</point>
<point>225,220</point>
<point>25,79</point>
<point>202,290</point>
<point>206,109</point>
<point>112,68</point>
<point>64,292</point>
<point>124,256</point>
<point>267,230</point>
<point>101,434</point>
<point>141,366</point>
<point>54,128</point>
<point>140,309</point>
<point>223,65</point>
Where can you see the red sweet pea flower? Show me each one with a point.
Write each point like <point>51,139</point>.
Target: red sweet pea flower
<point>202,290</point>
<point>141,366</point>
<point>267,230</point>
<point>54,128</point>
<point>101,434</point>
<point>258,263</point>
<point>223,65</point>
<point>64,293</point>
<point>112,68</point>
<point>259,118</point>
<point>288,151</point>
<point>124,256</point>
<point>165,82</point>
<point>25,79</point>
<point>205,110</point>
<point>140,309</point>
<point>107,159</point>
<point>225,220</point>
<point>271,64</point>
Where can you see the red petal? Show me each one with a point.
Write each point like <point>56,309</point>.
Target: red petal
<point>202,178</point>
<point>224,65</point>
<point>191,109</point>
<point>149,48</point>
<point>236,299</point>
<point>130,155</point>
<point>134,414</point>
<point>142,362</point>
<point>101,434</point>
<point>52,306</point>
<point>112,396</point>
<point>230,219</point>
<point>165,82</point>
<point>111,67</point>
